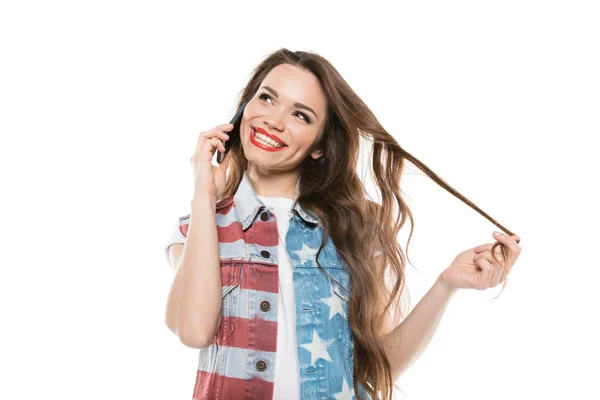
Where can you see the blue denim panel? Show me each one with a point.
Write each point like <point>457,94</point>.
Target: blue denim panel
<point>322,329</point>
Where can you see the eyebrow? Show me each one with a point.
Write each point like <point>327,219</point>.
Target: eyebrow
<point>298,105</point>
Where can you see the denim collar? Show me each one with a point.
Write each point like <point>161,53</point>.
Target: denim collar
<point>248,204</point>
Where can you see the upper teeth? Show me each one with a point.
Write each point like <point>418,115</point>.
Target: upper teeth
<point>266,139</point>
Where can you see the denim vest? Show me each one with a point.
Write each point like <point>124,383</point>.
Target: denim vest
<point>240,361</point>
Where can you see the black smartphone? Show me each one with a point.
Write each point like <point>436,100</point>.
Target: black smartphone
<point>234,134</point>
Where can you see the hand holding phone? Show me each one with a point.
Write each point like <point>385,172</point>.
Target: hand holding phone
<point>209,181</point>
<point>234,134</point>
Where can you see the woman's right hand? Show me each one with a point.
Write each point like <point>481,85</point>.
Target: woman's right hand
<point>208,179</point>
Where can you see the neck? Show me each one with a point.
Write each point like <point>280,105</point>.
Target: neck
<point>271,183</point>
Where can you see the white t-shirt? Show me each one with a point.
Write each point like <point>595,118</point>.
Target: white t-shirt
<point>287,373</point>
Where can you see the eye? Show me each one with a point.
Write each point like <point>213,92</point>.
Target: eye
<point>262,96</point>
<point>304,115</point>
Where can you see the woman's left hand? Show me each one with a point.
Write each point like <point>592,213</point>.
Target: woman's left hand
<point>476,268</point>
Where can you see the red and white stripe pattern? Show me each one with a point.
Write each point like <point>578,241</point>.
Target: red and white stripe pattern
<point>240,361</point>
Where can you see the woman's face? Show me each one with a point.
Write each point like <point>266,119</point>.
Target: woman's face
<point>278,109</point>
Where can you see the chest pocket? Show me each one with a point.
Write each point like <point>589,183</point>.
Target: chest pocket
<point>340,272</point>
<point>230,300</point>
<point>340,293</point>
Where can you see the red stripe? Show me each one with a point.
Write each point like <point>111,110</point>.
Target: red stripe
<point>260,233</point>
<point>230,233</point>
<point>225,205</point>
<point>252,388</point>
<point>203,388</point>
<point>255,334</point>
<point>263,233</point>
<point>230,273</point>
<point>184,229</point>
<point>231,388</point>
<point>261,277</point>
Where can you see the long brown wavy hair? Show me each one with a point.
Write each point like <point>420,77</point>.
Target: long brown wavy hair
<point>357,225</point>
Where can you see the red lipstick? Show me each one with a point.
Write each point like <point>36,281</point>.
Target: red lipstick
<point>262,146</point>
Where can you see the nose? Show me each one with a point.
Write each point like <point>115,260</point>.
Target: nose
<point>275,121</point>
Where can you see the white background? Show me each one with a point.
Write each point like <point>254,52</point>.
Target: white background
<point>101,104</point>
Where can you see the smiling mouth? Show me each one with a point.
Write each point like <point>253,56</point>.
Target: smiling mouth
<point>264,141</point>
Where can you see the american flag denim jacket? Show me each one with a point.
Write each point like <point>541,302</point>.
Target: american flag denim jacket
<point>240,361</point>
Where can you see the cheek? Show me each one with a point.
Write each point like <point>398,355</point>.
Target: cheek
<point>250,113</point>
<point>304,138</point>
<point>311,136</point>
<point>252,109</point>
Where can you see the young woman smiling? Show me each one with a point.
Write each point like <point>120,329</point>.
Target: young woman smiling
<point>283,265</point>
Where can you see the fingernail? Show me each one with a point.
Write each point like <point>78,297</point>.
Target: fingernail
<point>496,233</point>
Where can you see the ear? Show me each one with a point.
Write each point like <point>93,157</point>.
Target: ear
<point>316,154</point>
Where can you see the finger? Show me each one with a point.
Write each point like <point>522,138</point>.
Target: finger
<point>487,270</point>
<point>495,269</point>
<point>508,241</point>
<point>490,257</point>
<point>207,151</point>
<point>215,133</point>
<point>484,247</point>
<point>225,163</point>
<point>221,130</point>
<point>496,275</point>
<point>220,146</point>
<point>497,263</point>
<point>223,127</point>
<point>212,145</point>
<point>218,130</point>
<point>513,246</point>
<point>488,246</point>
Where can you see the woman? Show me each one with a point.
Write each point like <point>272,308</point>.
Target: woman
<point>283,286</point>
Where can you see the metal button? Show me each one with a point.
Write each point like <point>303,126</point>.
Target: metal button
<point>264,216</point>
<point>265,254</point>
<point>265,305</point>
<point>261,365</point>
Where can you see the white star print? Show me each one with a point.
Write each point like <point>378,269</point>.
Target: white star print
<point>335,305</point>
<point>318,348</point>
<point>306,253</point>
<point>347,393</point>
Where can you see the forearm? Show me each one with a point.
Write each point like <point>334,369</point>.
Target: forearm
<point>408,340</point>
<point>194,302</point>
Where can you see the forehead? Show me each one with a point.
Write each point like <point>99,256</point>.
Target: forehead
<point>294,84</point>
